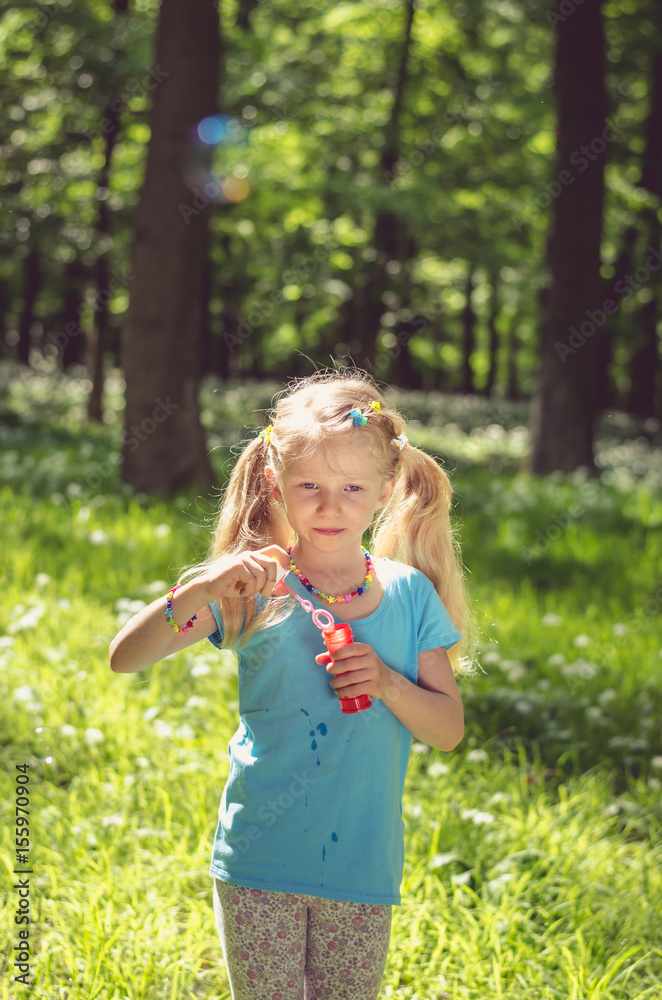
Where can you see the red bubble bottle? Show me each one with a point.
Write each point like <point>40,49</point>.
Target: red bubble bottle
<point>335,638</point>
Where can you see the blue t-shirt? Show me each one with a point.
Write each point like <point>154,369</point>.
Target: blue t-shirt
<point>313,801</point>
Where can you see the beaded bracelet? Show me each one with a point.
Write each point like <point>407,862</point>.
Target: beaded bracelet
<point>170,616</point>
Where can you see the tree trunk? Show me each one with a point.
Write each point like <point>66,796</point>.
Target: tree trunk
<point>565,405</point>
<point>605,390</point>
<point>30,293</point>
<point>468,335</point>
<point>387,238</point>
<point>493,342</point>
<point>68,339</point>
<point>164,446</point>
<point>512,373</point>
<point>645,362</point>
<point>645,365</point>
<point>4,308</point>
<point>97,343</point>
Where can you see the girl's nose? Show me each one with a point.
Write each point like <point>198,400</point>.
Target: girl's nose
<point>328,504</point>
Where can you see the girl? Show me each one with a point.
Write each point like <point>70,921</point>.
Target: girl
<point>309,850</point>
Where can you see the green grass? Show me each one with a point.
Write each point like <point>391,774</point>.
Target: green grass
<point>533,851</point>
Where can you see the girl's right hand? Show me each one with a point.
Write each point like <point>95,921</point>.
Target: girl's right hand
<point>246,573</point>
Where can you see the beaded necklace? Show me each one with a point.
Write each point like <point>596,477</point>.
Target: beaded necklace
<point>367,583</point>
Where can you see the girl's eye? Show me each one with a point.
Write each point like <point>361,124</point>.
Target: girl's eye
<point>308,486</point>
<point>354,489</point>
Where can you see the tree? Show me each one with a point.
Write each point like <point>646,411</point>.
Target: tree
<point>565,405</point>
<point>164,445</point>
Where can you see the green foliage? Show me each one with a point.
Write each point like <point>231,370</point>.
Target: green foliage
<point>533,851</point>
<point>316,86</point>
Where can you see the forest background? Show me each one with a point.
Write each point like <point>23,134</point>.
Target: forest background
<point>201,201</point>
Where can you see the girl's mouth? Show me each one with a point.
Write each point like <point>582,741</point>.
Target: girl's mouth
<point>328,531</point>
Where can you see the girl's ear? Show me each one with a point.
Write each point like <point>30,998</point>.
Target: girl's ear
<point>387,489</point>
<point>272,479</point>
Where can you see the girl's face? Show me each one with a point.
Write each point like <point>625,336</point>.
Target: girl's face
<point>330,498</point>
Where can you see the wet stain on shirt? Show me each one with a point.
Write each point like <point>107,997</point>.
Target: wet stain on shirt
<point>334,837</point>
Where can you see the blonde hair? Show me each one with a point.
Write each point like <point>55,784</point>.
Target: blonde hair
<point>414,527</point>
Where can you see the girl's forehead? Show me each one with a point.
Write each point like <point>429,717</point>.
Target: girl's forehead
<point>348,460</point>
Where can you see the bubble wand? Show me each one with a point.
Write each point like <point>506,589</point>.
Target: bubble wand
<point>335,637</point>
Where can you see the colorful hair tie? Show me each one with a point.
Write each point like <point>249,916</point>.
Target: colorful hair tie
<point>375,405</point>
<point>170,615</point>
<point>265,435</point>
<point>400,441</point>
<point>358,418</point>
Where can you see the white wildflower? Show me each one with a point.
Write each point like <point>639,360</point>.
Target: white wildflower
<point>479,818</point>
<point>656,762</point>
<point>67,730</point>
<point>42,580</point>
<point>440,860</point>
<point>581,641</point>
<point>29,619</point>
<point>476,756</point>
<point>162,729</point>
<point>92,737</point>
<point>619,628</point>
<point>556,660</point>
<point>437,769</point>
<point>420,748</point>
<point>550,619</point>
<point>151,713</point>
<point>514,668</point>
<point>200,669</point>
<point>161,530</point>
<point>605,697</point>
<point>583,669</point>
<point>491,658</point>
<point>25,693</point>
<point>185,732</point>
<point>196,702</point>
<point>115,820</point>
<point>97,537</point>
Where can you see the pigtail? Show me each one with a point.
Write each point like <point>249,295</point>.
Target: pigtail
<point>249,518</point>
<point>415,528</point>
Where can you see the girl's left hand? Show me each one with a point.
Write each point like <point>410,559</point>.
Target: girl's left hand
<point>364,672</point>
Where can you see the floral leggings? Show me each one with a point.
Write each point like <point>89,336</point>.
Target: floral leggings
<point>280,946</point>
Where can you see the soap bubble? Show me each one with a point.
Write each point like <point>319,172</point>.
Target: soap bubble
<point>217,163</point>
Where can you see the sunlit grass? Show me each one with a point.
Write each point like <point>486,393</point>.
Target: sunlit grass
<point>533,852</point>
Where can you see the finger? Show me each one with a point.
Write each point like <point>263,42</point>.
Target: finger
<point>323,659</point>
<point>252,577</point>
<point>276,552</point>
